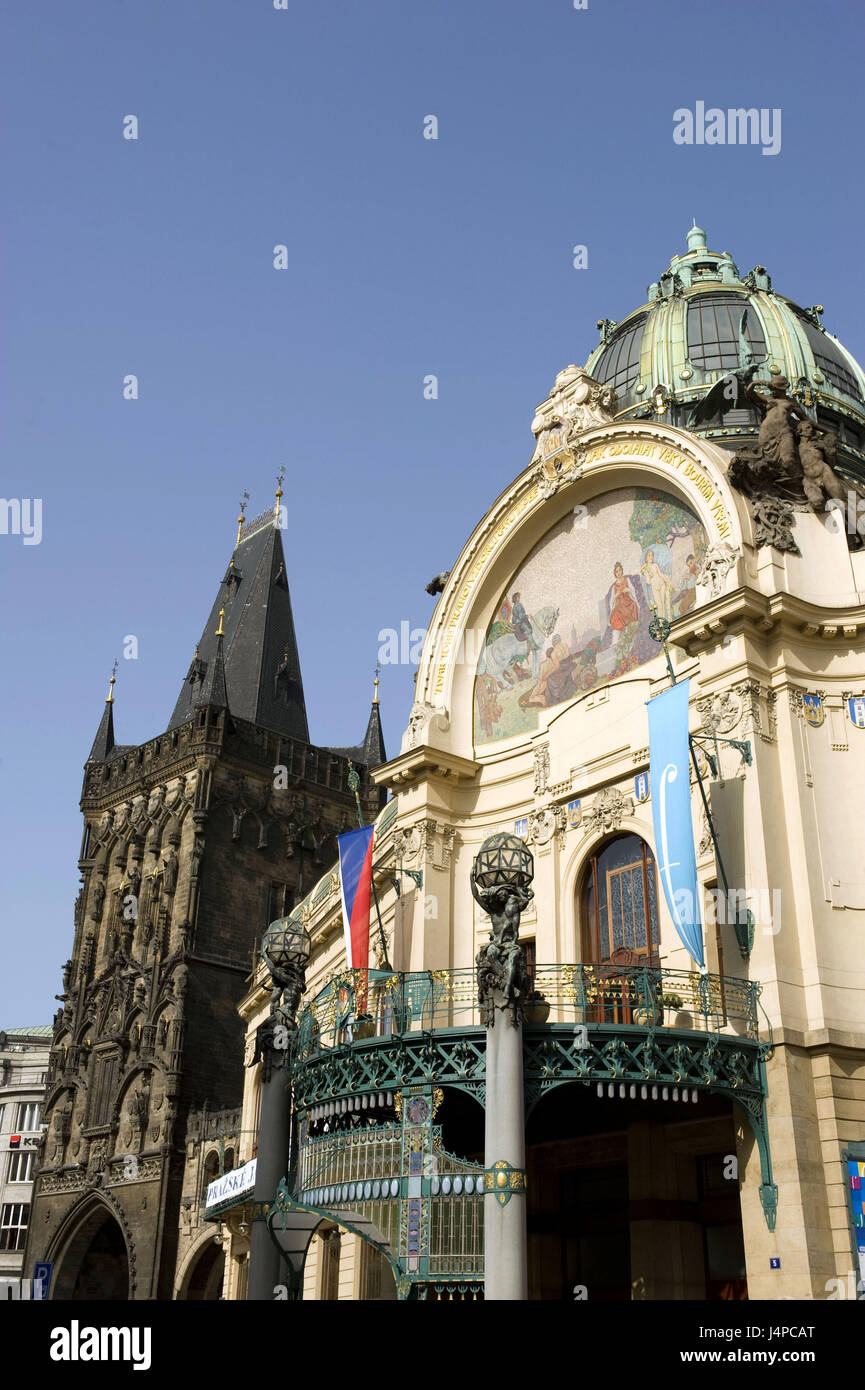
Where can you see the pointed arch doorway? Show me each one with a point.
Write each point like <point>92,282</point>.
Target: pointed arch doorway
<point>94,1263</point>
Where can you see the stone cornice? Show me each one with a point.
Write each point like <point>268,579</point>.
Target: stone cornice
<point>782,615</point>
<point>832,1040</point>
<point>419,764</point>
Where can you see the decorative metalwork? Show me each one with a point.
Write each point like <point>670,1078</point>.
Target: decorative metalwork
<point>423,1001</point>
<point>503,1180</point>
<point>659,631</point>
<point>500,878</point>
<point>285,950</point>
<point>632,1027</point>
<point>503,861</point>
<point>394,870</point>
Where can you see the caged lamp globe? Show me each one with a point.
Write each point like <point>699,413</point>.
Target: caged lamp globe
<point>503,861</point>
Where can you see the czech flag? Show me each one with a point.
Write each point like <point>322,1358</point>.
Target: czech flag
<point>355,884</point>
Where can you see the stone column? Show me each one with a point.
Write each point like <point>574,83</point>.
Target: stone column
<point>500,879</point>
<point>266,1267</point>
<point>505,1268</point>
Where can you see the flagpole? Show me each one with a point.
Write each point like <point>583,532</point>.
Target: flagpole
<point>354,786</point>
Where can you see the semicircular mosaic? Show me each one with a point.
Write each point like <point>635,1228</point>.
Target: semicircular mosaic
<point>576,613</point>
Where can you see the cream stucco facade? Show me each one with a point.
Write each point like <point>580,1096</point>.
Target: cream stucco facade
<point>765,630</point>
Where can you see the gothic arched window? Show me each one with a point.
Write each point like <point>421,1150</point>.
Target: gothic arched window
<point>210,1173</point>
<point>618,901</point>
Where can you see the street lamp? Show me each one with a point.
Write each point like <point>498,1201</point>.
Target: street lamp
<point>503,861</point>
<point>500,878</point>
<point>286,948</point>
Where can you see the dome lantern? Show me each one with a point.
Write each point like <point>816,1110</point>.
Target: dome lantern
<point>696,238</point>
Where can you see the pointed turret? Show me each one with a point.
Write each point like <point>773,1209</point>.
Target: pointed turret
<point>260,668</point>
<point>103,743</point>
<point>373,753</point>
<point>213,690</point>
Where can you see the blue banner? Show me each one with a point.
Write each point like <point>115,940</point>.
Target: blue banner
<point>670,776</point>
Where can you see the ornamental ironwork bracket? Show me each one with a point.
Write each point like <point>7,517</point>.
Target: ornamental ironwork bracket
<point>393,870</point>
<point>742,746</point>
<point>754,1109</point>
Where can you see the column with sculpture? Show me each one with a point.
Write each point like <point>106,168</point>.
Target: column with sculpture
<point>285,950</point>
<point>500,878</point>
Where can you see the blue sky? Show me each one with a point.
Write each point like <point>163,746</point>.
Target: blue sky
<point>407,257</point>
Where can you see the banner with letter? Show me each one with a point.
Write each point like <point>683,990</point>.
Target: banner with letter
<point>670,776</point>
<point>355,884</point>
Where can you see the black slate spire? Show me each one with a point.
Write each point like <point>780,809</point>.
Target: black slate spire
<point>103,743</point>
<point>372,752</point>
<point>260,668</point>
<point>212,690</point>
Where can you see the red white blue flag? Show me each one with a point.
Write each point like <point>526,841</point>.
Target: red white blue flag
<point>355,883</point>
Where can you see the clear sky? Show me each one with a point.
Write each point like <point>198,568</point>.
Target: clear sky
<point>407,257</point>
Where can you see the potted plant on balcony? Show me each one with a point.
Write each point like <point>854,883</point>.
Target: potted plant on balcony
<point>668,999</point>
<point>363,1027</point>
<point>650,1004</point>
<point>537,1007</point>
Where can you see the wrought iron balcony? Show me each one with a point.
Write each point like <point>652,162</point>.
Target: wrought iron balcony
<point>372,1042</point>
<point>357,1006</point>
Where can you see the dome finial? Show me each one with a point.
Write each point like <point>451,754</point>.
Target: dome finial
<point>696,237</point>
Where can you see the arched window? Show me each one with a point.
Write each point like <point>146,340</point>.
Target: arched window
<point>618,902</point>
<point>713,331</point>
<point>211,1172</point>
<point>228,1161</point>
<point>619,364</point>
<point>830,360</point>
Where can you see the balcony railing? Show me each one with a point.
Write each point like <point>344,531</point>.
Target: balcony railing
<point>357,1005</point>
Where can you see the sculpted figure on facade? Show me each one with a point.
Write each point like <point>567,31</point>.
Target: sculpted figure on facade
<point>419,720</point>
<point>790,469</point>
<point>98,899</point>
<point>503,980</point>
<point>169,877</point>
<point>717,563</point>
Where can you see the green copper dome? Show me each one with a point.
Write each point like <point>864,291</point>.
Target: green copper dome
<point>702,324</point>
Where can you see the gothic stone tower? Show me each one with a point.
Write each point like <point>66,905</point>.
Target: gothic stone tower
<point>192,843</point>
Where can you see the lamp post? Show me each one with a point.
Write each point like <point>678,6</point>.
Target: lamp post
<point>500,878</point>
<point>285,949</point>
